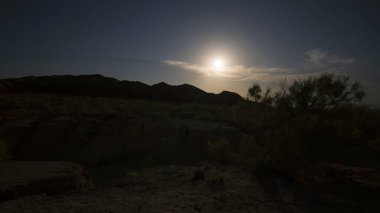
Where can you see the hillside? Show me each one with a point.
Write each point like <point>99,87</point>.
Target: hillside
<point>97,144</point>
<point>100,86</point>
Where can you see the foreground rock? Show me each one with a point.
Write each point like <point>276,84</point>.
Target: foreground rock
<point>367,177</point>
<point>98,140</point>
<point>198,188</point>
<point>21,178</point>
<point>162,189</point>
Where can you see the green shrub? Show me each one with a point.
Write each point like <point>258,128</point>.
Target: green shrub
<point>253,156</point>
<point>310,121</point>
<point>286,149</point>
<point>220,151</point>
<point>375,144</point>
<point>148,161</point>
<point>4,152</point>
<point>247,153</point>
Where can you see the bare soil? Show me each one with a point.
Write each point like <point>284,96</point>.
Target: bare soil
<point>199,188</point>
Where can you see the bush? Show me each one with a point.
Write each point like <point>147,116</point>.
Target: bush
<point>311,121</point>
<point>4,153</point>
<point>256,95</point>
<point>246,152</point>
<point>326,91</point>
<point>253,155</point>
<point>220,151</point>
<point>375,144</point>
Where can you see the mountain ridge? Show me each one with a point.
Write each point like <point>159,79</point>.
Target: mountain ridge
<point>99,85</point>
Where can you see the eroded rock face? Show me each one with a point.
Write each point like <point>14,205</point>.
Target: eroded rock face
<point>338,173</point>
<point>90,140</point>
<point>21,178</point>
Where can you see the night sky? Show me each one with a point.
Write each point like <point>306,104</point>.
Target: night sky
<point>178,41</point>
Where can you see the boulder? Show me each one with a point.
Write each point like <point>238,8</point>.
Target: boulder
<point>165,140</point>
<point>21,178</point>
<point>93,140</point>
<point>368,177</point>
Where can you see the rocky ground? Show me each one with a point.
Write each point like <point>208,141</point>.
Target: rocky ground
<point>23,178</point>
<point>198,188</point>
<point>109,147</point>
<point>97,139</point>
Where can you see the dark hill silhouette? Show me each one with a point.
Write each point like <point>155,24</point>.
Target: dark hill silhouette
<point>98,85</point>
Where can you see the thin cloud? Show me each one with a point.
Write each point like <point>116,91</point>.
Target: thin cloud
<point>188,66</point>
<point>317,62</point>
<point>237,72</point>
<point>322,57</point>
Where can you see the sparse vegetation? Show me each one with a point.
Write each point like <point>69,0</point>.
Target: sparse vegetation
<point>246,152</point>
<point>4,152</point>
<point>280,137</point>
<point>313,120</point>
<point>220,151</point>
<point>103,106</point>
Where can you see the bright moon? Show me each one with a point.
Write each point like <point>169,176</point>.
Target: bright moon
<point>218,64</point>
